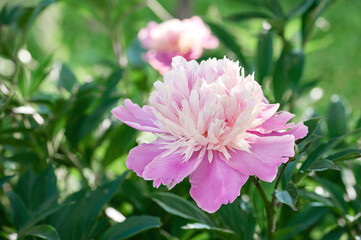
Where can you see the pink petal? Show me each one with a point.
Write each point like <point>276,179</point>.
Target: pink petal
<point>267,153</point>
<point>139,118</point>
<point>277,122</point>
<point>169,169</point>
<point>160,61</point>
<point>140,156</point>
<point>299,131</point>
<point>214,184</point>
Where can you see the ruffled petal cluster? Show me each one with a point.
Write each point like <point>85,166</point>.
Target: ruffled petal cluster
<point>215,126</point>
<point>187,38</point>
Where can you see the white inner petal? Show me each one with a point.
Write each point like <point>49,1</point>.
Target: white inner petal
<point>207,108</point>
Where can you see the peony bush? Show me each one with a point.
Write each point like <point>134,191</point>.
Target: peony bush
<point>134,120</point>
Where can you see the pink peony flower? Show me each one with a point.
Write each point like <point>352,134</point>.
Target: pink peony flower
<point>175,37</point>
<point>213,124</point>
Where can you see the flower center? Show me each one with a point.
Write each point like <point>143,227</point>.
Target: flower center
<point>207,109</point>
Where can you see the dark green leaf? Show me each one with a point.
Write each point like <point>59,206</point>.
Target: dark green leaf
<point>318,199</point>
<point>335,233</point>
<point>180,207</point>
<point>312,124</point>
<point>336,119</point>
<point>19,213</point>
<point>87,207</point>
<point>322,165</point>
<point>310,17</point>
<point>5,104</point>
<point>264,55</point>
<point>5,179</point>
<point>43,231</point>
<point>66,78</point>
<point>121,139</point>
<point>10,14</point>
<point>303,219</point>
<point>30,14</point>
<point>288,72</point>
<point>130,227</point>
<point>228,40</point>
<point>336,193</point>
<point>288,196</point>
<point>41,215</point>
<point>248,15</point>
<point>345,155</point>
<point>300,8</point>
<point>323,148</point>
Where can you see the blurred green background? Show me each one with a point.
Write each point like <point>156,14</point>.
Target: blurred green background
<point>76,32</point>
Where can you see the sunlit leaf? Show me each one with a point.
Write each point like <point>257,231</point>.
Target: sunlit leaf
<point>322,165</point>
<point>288,196</point>
<point>180,207</point>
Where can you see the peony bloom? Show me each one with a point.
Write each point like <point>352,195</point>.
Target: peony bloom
<point>213,124</point>
<point>175,37</point>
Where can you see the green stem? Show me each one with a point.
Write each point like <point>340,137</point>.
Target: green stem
<point>269,209</point>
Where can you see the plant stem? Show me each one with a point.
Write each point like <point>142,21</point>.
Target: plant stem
<point>269,209</point>
<point>158,10</point>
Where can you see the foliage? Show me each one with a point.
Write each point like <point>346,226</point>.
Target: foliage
<point>62,171</point>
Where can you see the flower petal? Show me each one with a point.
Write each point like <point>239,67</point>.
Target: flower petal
<point>140,156</point>
<point>267,153</point>
<point>160,61</point>
<point>139,118</point>
<point>215,183</point>
<point>169,169</point>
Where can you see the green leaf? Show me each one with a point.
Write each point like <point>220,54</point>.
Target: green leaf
<point>288,196</point>
<point>323,148</point>
<point>335,233</point>
<point>30,14</point>
<point>318,199</point>
<point>322,165</point>
<point>232,214</point>
<point>43,231</point>
<point>336,193</point>
<point>39,75</point>
<point>300,8</point>
<point>19,213</point>
<point>237,17</point>
<point>121,139</point>
<point>303,219</point>
<point>288,72</point>
<point>5,179</point>
<point>66,78</point>
<point>202,226</point>
<point>180,207</point>
<point>312,125</point>
<point>10,14</point>
<point>87,206</point>
<point>345,155</point>
<point>336,119</point>
<point>130,227</point>
<point>40,215</point>
<point>264,55</point>
<point>228,40</point>
<point>310,16</point>
<point>5,104</point>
